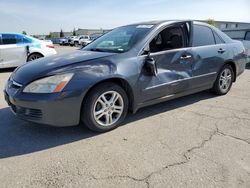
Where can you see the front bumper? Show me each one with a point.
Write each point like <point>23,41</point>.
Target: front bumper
<point>60,109</point>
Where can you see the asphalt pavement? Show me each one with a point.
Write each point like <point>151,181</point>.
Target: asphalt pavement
<point>201,140</point>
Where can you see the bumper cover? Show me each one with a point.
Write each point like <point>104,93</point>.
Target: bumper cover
<point>61,109</point>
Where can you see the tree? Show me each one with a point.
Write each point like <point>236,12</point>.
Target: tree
<point>74,32</point>
<point>24,32</point>
<point>61,33</point>
<point>49,36</point>
<point>211,22</point>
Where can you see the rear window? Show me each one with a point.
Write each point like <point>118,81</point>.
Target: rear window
<point>202,36</point>
<point>9,39</point>
<point>247,37</point>
<point>218,40</point>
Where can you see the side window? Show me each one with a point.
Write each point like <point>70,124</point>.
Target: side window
<point>0,39</point>
<point>168,39</point>
<point>247,37</point>
<point>19,39</point>
<point>202,36</point>
<point>26,40</point>
<point>8,39</point>
<point>218,40</point>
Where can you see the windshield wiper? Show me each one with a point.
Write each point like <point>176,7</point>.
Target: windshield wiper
<point>96,50</point>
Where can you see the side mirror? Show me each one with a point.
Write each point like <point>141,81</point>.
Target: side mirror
<point>150,66</point>
<point>27,50</point>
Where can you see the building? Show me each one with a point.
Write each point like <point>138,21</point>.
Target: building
<point>79,32</point>
<point>57,34</point>
<point>90,31</point>
<point>227,26</point>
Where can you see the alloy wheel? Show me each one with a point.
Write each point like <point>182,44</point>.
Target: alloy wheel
<point>108,108</point>
<point>225,79</point>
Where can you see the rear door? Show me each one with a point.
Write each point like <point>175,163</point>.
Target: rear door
<point>209,52</point>
<point>13,50</point>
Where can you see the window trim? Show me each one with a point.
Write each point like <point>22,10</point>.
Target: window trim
<point>178,24</point>
<point>212,34</point>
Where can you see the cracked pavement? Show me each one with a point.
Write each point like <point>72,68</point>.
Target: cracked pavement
<point>200,140</point>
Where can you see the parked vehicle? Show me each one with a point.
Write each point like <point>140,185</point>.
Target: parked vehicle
<point>76,41</point>
<point>71,40</point>
<point>128,68</point>
<point>88,39</point>
<point>242,35</point>
<point>64,41</point>
<point>17,49</point>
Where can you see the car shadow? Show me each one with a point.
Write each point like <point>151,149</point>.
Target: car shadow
<point>5,70</point>
<point>18,137</point>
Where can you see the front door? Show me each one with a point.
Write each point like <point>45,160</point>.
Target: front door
<point>169,49</point>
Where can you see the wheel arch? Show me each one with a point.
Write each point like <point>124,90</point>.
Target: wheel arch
<point>32,54</point>
<point>233,65</point>
<point>122,83</point>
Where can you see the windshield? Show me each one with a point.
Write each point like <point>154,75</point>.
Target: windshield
<point>120,39</point>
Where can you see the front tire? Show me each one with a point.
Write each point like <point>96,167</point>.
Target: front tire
<point>224,80</point>
<point>105,107</point>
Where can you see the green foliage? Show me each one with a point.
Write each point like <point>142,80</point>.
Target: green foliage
<point>74,32</point>
<point>49,36</point>
<point>24,32</point>
<point>211,22</point>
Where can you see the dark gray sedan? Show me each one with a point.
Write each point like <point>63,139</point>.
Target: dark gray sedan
<point>128,68</point>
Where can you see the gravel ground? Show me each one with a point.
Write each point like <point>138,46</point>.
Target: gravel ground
<point>200,140</point>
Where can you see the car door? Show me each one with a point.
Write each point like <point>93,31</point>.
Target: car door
<point>14,51</point>
<point>169,49</point>
<point>209,52</point>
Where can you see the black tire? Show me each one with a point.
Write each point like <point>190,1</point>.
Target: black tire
<point>76,43</point>
<point>89,105</point>
<point>217,88</point>
<point>34,56</point>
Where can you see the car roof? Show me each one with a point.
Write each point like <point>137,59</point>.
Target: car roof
<point>158,22</point>
<point>11,33</point>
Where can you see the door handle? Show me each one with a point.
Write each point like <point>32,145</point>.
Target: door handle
<point>221,50</point>
<point>183,57</point>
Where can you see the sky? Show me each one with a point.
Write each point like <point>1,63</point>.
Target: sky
<point>44,16</point>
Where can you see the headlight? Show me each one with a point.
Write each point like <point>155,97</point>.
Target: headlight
<point>51,84</point>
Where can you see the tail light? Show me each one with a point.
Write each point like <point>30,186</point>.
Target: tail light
<point>50,46</point>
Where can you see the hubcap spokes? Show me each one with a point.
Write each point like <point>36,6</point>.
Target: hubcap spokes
<point>108,108</point>
<point>225,79</point>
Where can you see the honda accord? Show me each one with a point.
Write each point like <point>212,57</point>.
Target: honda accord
<point>127,68</point>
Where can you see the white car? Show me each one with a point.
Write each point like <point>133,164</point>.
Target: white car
<point>87,40</point>
<point>76,40</point>
<point>17,49</point>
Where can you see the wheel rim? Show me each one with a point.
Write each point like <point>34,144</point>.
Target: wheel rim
<point>225,79</point>
<point>34,57</point>
<point>108,108</point>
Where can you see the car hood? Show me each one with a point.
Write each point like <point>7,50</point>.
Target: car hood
<point>42,67</point>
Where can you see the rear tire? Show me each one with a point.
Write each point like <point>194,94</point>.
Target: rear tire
<point>34,56</point>
<point>105,107</point>
<point>224,80</point>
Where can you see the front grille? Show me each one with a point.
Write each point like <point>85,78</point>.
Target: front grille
<point>27,113</point>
